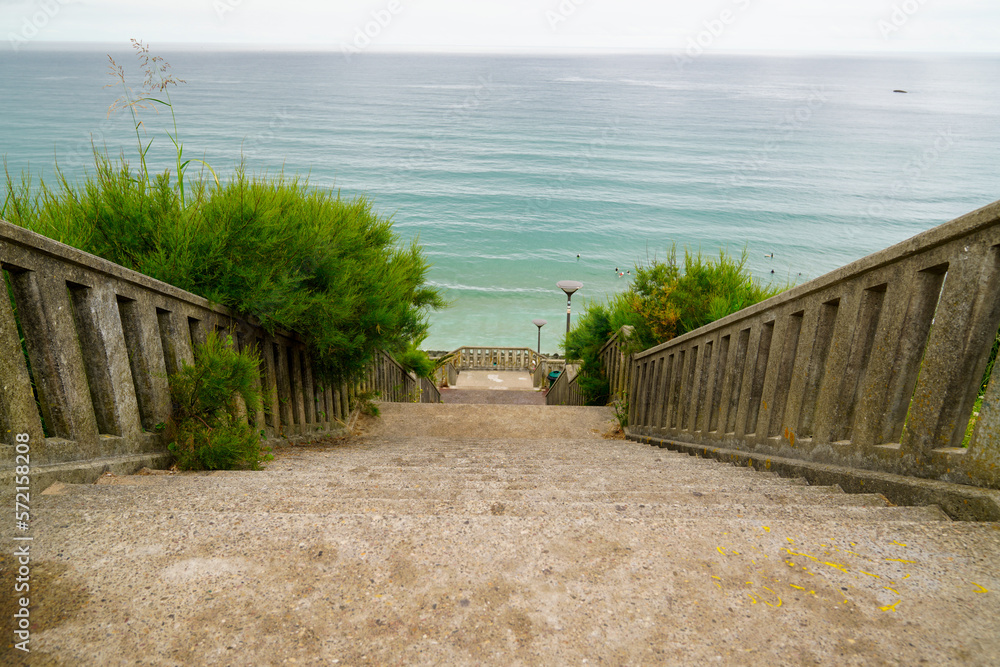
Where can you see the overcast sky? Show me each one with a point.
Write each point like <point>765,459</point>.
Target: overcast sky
<point>517,25</point>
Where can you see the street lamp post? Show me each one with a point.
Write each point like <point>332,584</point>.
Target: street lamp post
<point>568,286</point>
<point>539,323</point>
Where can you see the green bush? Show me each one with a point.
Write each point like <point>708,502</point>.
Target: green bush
<point>270,247</point>
<point>665,300</point>
<point>211,399</point>
<point>416,361</point>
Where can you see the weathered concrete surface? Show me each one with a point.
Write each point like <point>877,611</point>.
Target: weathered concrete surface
<point>494,380</point>
<point>492,397</point>
<point>515,388</point>
<point>474,544</point>
<point>959,501</point>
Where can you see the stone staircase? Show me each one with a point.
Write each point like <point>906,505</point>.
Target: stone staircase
<point>502,534</point>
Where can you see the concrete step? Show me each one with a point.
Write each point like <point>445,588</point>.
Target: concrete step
<point>649,515</point>
<point>419,483</point>
<point>290,499</point>
<point>505,549</point>
<point>862,507</point>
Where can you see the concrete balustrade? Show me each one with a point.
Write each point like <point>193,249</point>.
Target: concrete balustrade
<point>565,390</point>
<point>101,341</point>
<point>393,383</point>
<point>615,365</point>
<point>496,359</point>
<point>447,375</point>
<point>875,365</point>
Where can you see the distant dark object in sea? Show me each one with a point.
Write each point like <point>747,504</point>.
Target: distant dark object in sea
<point>899,91</point>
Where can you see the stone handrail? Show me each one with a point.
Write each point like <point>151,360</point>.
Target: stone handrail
<point>616,364</point>
<point>875,365</point>
<point>565,390</point>
<point>473,358</point>
<point>540,377</point>
<point>101,341</point>
<point>429,393</point>
<point>447,375</point>
<point>394,384</point>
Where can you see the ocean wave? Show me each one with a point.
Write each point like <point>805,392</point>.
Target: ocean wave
<point>491,290</point>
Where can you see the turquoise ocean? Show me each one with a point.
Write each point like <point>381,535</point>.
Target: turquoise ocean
<point>516,172</point>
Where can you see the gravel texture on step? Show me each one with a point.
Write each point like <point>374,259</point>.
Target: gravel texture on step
<point>496,547</point>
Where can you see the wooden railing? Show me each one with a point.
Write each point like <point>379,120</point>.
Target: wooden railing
<point>875,365</point>
<point>101,340</point>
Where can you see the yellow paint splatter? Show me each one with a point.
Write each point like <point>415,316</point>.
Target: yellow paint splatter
<point>900,560</point>
<point>906,577</point>
<point>981,589</point>
<point>897,543</point>
<point>801,588</point>
<point>836,566</point>
<point>874,576</point>
<point>721,550</point>
<point>790,540</point>
<point>891,607</point>
<point>719,585</point>
<point>753,600</point>
<point>797,553</point>
<point>891,589</point>
<point>715,577</point>
<point>767,529</point>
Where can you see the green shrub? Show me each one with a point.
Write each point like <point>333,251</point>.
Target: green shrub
<point>269,247</point>
<point>416,361</point>
<point>665,300</point>
<point>671,300</point>
<point>583,344</point>
<point>211,399</point>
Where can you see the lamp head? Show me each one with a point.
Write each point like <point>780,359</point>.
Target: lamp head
<point>569,286</point>
<point>539,323</point>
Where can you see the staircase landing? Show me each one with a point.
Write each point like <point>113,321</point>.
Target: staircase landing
<point>493,388</point>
